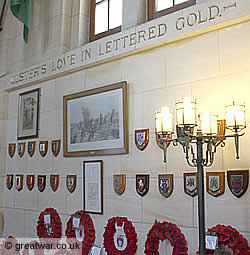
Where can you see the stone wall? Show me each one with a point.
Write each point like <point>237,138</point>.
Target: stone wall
<point>212,67</point>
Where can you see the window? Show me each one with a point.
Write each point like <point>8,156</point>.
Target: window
<point>157,8</point>
<point>105,18</point>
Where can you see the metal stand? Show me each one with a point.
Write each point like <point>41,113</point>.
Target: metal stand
<point>187,140</point>
<point>201,202</point>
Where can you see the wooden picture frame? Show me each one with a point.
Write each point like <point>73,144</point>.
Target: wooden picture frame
<point>93,186</point>
<point>95,122</point>
<point>28,114</point>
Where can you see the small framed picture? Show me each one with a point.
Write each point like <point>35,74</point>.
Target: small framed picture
<point>28,114</point>
<point>93,186</point>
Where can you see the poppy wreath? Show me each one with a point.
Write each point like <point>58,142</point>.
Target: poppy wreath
<point>36,251</point>
<point>161,232</point>
<point>129,231</point>
<point>89,232</point>
<point>8,247</point>
<point>229,236</point>
<point>56,226</point>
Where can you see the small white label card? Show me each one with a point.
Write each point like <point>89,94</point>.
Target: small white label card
<point>76,221</point>
<point>95,250</point>
<point>46,218</point>
<point>211,242</point>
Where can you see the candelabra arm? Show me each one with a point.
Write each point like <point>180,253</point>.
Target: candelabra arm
<point>210,154</point>
<point>165,151</point>
<point>193,164</point>
<point>236,140</point>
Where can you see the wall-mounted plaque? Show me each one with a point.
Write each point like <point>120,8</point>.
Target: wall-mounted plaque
<point>41,182</point>
<point>31,148</point>
<point>9,181</point>
<point>12,149</point>
<point>55,147</point>
<point>119,183</point>
<point>166,184</point>
<point>21,149</point>
<point>19,182</point>
<point>43,148</point>
<point>190,184</point>
<point>141,138</point>
<point>71,183</point>
<point>54,182</point>
<point>142,184</point>
<point>237,181</point>
<point>215,183</point>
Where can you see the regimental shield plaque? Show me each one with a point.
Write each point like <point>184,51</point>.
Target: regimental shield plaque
<point>237,181</point>
<point>190,184</point>
<point>71,183</point>
<point>215,183</point>
<point>9,181</point>
<point>55,147</point>
<point>30,181</point>
<point>43,148</point>
<point>119,183</point>
<point>166,184</point>
<point>54,182</point>
<point>41,182</point>
<point>159,141</point>
<point>31,148</point>
<point>21,149</point>
<point>19,182</point>
<point>142,184</point>
<point>12,149</point>
<point>141,138</point>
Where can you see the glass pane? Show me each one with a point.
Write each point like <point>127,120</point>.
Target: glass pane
<point>115,12</point>
<point>98,1</point>
<point>101,17</point>
<point>179,1</point>
<point>163,4</point>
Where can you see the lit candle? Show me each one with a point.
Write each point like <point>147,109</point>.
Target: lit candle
<point>186,112</point>
<point>167,120</point>
<point>235,117</point>
<point>209,123</point>
<point>158,121</point>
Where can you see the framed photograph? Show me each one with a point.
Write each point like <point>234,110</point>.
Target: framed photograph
<point>28,113</point>
<point>93,186</point>
<point>95,122</point>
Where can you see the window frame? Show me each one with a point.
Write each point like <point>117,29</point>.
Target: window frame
<point>92,35</point>
<point>153,14</point>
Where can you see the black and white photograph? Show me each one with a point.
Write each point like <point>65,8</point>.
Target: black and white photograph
<point>95,121</point>
<point>28,114</point>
